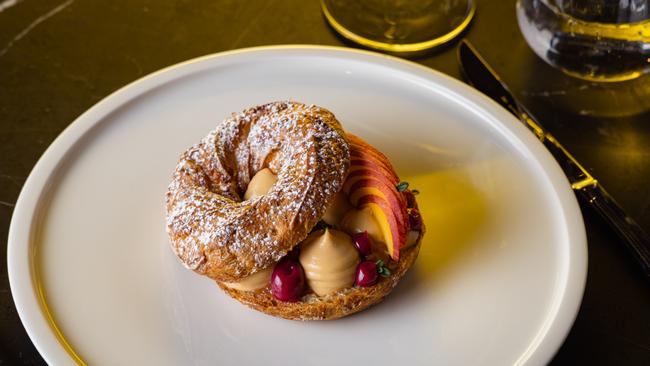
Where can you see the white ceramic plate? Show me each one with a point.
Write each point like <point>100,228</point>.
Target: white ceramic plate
<point>498,281</point>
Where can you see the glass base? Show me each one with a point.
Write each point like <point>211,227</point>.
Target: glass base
<point>399,26</point>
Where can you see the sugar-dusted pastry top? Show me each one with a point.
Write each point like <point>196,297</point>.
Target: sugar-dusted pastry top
<point>213,230</point>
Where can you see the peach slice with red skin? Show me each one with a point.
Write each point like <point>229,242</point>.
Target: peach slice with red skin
<point>371,186</point>
<point>371,164</point>
<point>360,146</point>
<point>365,178</point>
<point>387,222</point>
<point>362,149</point>
<point>365,173</point>
<point>365,156</point>
<point>372,183</point>
<point>360,164</point>
<point>358,153</point>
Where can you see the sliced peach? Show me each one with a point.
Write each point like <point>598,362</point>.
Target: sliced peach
<point>357,152</point>
<point>371,183</point>
<point>359,164</point>
<point>362,149</point>
<point>363,173</point>
<point>372,186</point>
<point>355,178</point>
<point>359,220</point>
<point>387,222</point>
<point>365,189</point>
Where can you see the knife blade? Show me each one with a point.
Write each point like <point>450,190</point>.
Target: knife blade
<point>633,237</point>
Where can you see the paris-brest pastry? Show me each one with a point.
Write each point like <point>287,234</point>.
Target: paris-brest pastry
<point>291,215</point>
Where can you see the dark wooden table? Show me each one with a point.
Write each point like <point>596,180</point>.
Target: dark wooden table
<point>58,58</point>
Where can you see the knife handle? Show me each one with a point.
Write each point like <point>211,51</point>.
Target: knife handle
<point>634,238</point>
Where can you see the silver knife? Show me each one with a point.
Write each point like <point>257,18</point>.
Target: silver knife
<point>587,188</point>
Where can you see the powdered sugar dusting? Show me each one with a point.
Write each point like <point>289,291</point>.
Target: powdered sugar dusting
<point>215,233</point>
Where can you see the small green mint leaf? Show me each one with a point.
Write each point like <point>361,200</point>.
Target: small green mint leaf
<point>384,272</point>
<point>381,269</point>
<point>415,192</point>
<point>402,186</point>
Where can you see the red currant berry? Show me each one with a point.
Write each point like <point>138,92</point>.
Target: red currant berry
<point>366,274</point>
<point>410,199</point>
<point>415,220</point>
<point>287,280</point>
<point>362,242</point>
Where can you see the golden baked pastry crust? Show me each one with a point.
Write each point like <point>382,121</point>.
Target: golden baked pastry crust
<point>213,231</point>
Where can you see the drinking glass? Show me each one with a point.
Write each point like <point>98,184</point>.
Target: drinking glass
<point>399,25</point>
<point>596,40</point>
